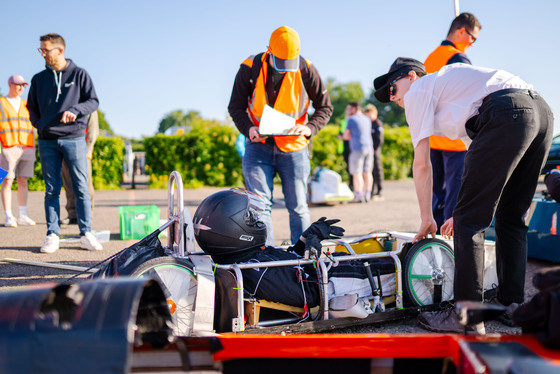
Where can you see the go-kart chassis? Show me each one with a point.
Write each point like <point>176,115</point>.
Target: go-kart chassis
<point>181,246</point>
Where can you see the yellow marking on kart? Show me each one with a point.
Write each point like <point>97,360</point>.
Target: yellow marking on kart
<point>369,245</point>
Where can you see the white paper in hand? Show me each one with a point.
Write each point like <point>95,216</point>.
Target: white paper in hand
<point>275,123</point>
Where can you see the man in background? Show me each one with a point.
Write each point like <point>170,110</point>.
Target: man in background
<point>448,156</point>
<point>344,149</point>
<point>377,136</point>
<point>18,150</point>
<point>360,161</point>
<point>61,98</point>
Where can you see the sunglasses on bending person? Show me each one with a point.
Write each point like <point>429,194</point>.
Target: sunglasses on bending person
<point>392,87</point>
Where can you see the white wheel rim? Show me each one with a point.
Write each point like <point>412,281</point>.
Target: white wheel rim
<point>180,292</point>
<point>430,258</point>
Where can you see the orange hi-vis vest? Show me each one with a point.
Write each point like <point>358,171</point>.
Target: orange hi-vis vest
<point>15,127</point>
<point>292,100</point>
<point>435,61</point>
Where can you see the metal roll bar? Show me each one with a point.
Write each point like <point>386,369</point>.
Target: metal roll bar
<point>175,213</point>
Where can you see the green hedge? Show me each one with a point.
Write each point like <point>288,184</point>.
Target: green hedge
<point>207,156</point>
<point>397,153</point>
<point>204,156</point>
<point>107,165</point>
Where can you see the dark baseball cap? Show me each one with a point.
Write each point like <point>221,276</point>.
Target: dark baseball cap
<point>402,65</point>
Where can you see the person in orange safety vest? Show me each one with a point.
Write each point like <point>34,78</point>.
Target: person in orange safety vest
<point>447,156</point>
<point>18,150</point>
<point>281,80</point>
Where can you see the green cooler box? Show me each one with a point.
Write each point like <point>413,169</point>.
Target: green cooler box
<point>137,221</point>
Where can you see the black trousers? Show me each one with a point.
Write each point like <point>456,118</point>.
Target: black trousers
<point>511,138</point>
<point>377,172</point>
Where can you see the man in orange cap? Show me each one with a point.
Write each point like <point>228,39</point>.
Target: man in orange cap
<point>280,78</point>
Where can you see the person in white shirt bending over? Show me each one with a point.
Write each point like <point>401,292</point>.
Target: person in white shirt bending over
<point>507,127</point>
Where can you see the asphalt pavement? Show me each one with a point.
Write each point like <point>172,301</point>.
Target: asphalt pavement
<point>397,212</point>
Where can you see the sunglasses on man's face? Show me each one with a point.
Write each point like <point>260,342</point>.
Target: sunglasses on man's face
<point>471,35</point>
<point>392,87</point>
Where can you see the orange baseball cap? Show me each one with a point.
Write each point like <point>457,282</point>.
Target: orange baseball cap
<point>284,46</point>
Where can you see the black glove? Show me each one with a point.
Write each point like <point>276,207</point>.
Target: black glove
<point>323,229</point>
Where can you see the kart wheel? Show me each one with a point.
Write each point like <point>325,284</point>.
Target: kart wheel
<point>179,285</point>
<point>428,272</point>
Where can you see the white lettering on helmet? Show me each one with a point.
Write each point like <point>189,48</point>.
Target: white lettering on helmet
<point>246,238</point>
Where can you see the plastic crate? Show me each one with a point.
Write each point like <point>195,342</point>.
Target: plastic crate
<point>137,221</point>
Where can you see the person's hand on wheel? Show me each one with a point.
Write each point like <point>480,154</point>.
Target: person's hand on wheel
<point>427,228</point>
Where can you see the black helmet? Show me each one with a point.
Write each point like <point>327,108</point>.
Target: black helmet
<point>228,222</point>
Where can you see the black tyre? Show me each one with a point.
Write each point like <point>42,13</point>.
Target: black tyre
<point>428,272</point>
<point>179,286</point>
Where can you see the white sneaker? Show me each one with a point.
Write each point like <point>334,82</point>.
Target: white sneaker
<point>11,222</point>
<point>89,242</point>
<point>51,244</point>
<point>25,221</point>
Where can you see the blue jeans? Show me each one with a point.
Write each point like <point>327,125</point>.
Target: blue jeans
<point>52,151</point>
<point>262,161</point>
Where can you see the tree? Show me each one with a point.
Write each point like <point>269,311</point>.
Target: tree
<point>342,94</point>
<point>103,124</point>
<point>178,118</point>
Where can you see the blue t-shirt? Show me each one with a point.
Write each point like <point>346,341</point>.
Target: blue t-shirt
<point>360,130</point>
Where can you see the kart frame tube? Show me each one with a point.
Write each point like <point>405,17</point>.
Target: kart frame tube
<point>175,212</point>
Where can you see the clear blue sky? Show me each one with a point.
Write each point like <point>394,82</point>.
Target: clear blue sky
<point>148,58</point>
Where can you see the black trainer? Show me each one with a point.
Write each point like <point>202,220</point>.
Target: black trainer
<point>447,320</point>
<point>505,318</point>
